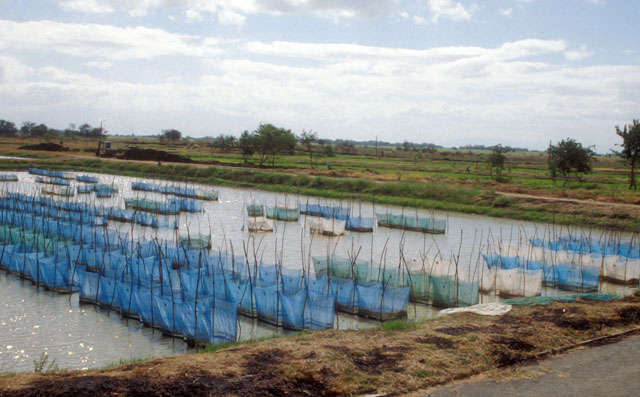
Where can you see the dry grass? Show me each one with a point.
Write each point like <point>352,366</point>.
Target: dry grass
<point>335,362</point>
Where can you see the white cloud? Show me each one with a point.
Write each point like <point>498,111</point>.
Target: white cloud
<point>101,41</point>
<point>99,64</point>
<point>579,54</point>
<point>447,9</point>
<point>419,20</point>
<point>234,12</point>
<point>229,17</point>
<point>86,6</point>
<point>446,95</point>
<point>505,11</point>
<point>12,70</point>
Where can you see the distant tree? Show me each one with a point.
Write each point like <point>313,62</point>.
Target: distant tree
<point>39,131</point>
<point>85,130</point>
<point>70,131</point>
<point>27,128</point>
<point>569,157</point>
<point>495,162</point>
<point>329,151</point>
<point>224,142</point>
<point>97,132</point>
<point>8,129</point>
<point>308,138</point>
<point>272,141</point>
<point>247,144</point>
<point>630,148</point>
<point>171,135</point>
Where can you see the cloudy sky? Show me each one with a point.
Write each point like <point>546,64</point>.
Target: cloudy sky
<point>451,72</point>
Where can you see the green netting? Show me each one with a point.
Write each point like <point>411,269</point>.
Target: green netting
<point>283,214</point>
<point>383,219</point>
<point>196,241</point>
<point>426,225</point>
<point>396,221</point>
<point>447,293</point>
<point>211,195</point>
<point>341,268</point>
<point>141,204</point>
<point>394,277</point>
<point>545,300</point>
<point>420,284</point>
<point>365,272</point>
<point>255,209</point>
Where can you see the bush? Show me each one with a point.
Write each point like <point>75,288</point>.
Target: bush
<point>502,202</point>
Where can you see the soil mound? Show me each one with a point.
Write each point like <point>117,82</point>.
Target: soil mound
<point>154,155</point>
<point>50,147</point>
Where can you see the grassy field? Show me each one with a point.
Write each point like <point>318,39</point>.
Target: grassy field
<point>445,179</point>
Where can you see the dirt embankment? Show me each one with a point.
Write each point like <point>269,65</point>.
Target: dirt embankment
<point>154,155</point>
<point>335,362</point>
<point>49,146</point>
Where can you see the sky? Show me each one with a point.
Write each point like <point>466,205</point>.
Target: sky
<point>451,72</point>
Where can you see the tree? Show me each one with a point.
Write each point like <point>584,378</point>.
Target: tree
<point>329,151</point>
<point>7,128</point>
<point>39,130</point>
<point>247,143</point>
<point>27,127</point>
<point>70,131</point>
<point>224,142</point>
<point>171,135</point>
<point>569,156</point>
<point>630,148</point>
<point>308,139</point>
<point>85,130</point>
<point>495,161</point>
<point>271,141</point>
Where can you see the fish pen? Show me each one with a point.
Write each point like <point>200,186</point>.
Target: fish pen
<point>8,177</point>
<point>87,179</point>
<point>283,213</point>
<point>412,223</point>
<point>178,191</point>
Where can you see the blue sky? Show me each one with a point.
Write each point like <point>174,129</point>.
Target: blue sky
<point>451,72</point>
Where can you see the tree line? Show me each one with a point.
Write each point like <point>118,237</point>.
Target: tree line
<point>566,158</point>
<point>569,158</point>
<point>30,129</point>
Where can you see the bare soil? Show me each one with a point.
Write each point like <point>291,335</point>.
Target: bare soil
<point>49,146</point>
<point>154,155</point>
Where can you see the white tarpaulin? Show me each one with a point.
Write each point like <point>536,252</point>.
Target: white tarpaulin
<point>484,309</point>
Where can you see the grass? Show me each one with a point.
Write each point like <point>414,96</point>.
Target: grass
<point>397,325</point>
<point>126,361</point>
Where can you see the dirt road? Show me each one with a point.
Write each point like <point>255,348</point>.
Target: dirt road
<point>610,370</point>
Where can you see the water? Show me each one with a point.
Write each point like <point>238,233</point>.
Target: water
<point>14,158</point>
<point>78,336</point>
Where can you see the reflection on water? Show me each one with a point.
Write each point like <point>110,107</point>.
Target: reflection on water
<point>82,336</point>
<point>14,158</point>
<point>76,336</point>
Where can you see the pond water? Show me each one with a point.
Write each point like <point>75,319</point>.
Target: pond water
<point>77,336</point>
<point>14,158</point>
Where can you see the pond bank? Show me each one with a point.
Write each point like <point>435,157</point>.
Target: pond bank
<point>397,357</point>
<point>432,195</point>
